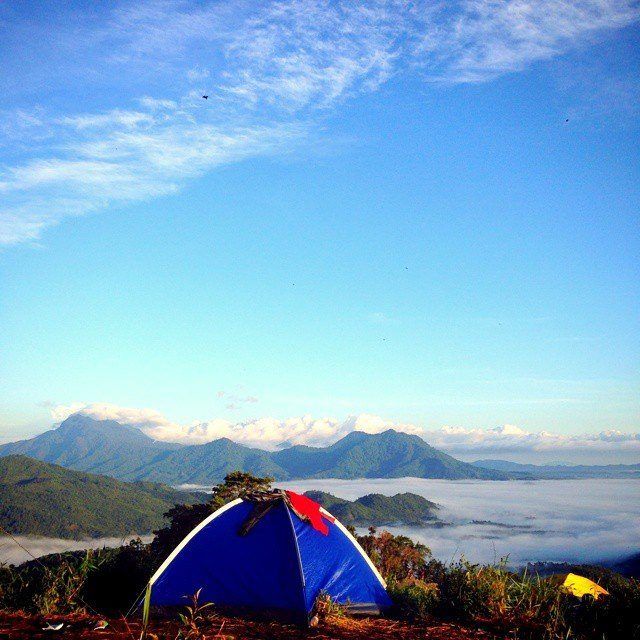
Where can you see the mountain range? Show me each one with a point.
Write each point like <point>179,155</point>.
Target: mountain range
<point>124,452</point>
<point>38,498</point>
<point>560,471</point>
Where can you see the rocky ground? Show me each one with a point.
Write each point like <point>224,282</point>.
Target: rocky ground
<point>16,626</point>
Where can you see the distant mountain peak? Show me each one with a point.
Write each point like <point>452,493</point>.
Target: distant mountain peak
<point>86,426</point>
<point>388,434</point>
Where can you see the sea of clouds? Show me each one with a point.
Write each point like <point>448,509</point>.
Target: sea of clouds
<point>555,520</point>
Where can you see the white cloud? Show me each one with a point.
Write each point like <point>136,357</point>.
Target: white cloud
<point>294,54</point>
<point>510,439</point>
<point>265,433</point>
<point>272,433</point>
<point>273,69</point>
<point>143,418</point>
<point>117,157</point>
<point>235,401</point>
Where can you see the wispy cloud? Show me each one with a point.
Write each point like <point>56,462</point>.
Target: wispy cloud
<point>483,39</point>
<point>272,71</point>
<point>235,401</point>
<point>125,156</point>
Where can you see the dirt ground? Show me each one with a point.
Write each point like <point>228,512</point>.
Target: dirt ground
<point>15,626</point>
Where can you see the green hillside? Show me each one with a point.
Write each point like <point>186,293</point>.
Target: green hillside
<point>210,462</point>
<point>43,499</point>
<point>377,510</point>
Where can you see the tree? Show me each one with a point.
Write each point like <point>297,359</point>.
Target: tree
<point>396,557</point>
<point>236,485</point>
<point>185,517</point>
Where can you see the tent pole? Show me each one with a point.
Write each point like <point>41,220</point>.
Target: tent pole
<point>145,608</point>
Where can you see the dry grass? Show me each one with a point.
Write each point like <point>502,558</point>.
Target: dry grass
<point>17,626</point>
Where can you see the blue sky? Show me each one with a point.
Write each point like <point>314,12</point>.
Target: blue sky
<point>379,210</point>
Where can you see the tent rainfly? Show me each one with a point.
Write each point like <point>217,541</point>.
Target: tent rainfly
<point>271,552</point>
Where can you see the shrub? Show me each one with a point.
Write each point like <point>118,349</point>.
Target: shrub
<point>612,617</point>
<point>104,580</point>
<point>118,579</point>
<point>53,584</point>
<point>414,599</point>
<point>63,586</point>
<point>192,618</point>
<point>325,606</point>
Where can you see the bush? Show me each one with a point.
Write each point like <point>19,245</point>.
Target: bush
<point>104,580</point>
<point>503,600</point>
<point>615,616</point>
<point>53,584</point>
<point>414,599</point>
<point>119,578</point>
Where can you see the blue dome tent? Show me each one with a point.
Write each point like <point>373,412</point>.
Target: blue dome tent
<point>272,553</point>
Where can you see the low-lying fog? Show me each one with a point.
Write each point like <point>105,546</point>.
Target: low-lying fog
<point>13,553</point>
<point>554,520</point>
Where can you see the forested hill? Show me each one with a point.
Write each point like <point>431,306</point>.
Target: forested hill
<point>38,498</point>
<point>377,510</point>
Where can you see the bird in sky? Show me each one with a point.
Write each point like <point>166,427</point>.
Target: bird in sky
<point>206,97</point>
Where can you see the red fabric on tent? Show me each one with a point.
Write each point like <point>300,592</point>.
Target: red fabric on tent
<point>308,509</point>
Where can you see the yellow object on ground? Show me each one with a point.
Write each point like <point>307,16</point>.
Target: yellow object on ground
<point>580,586</point>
